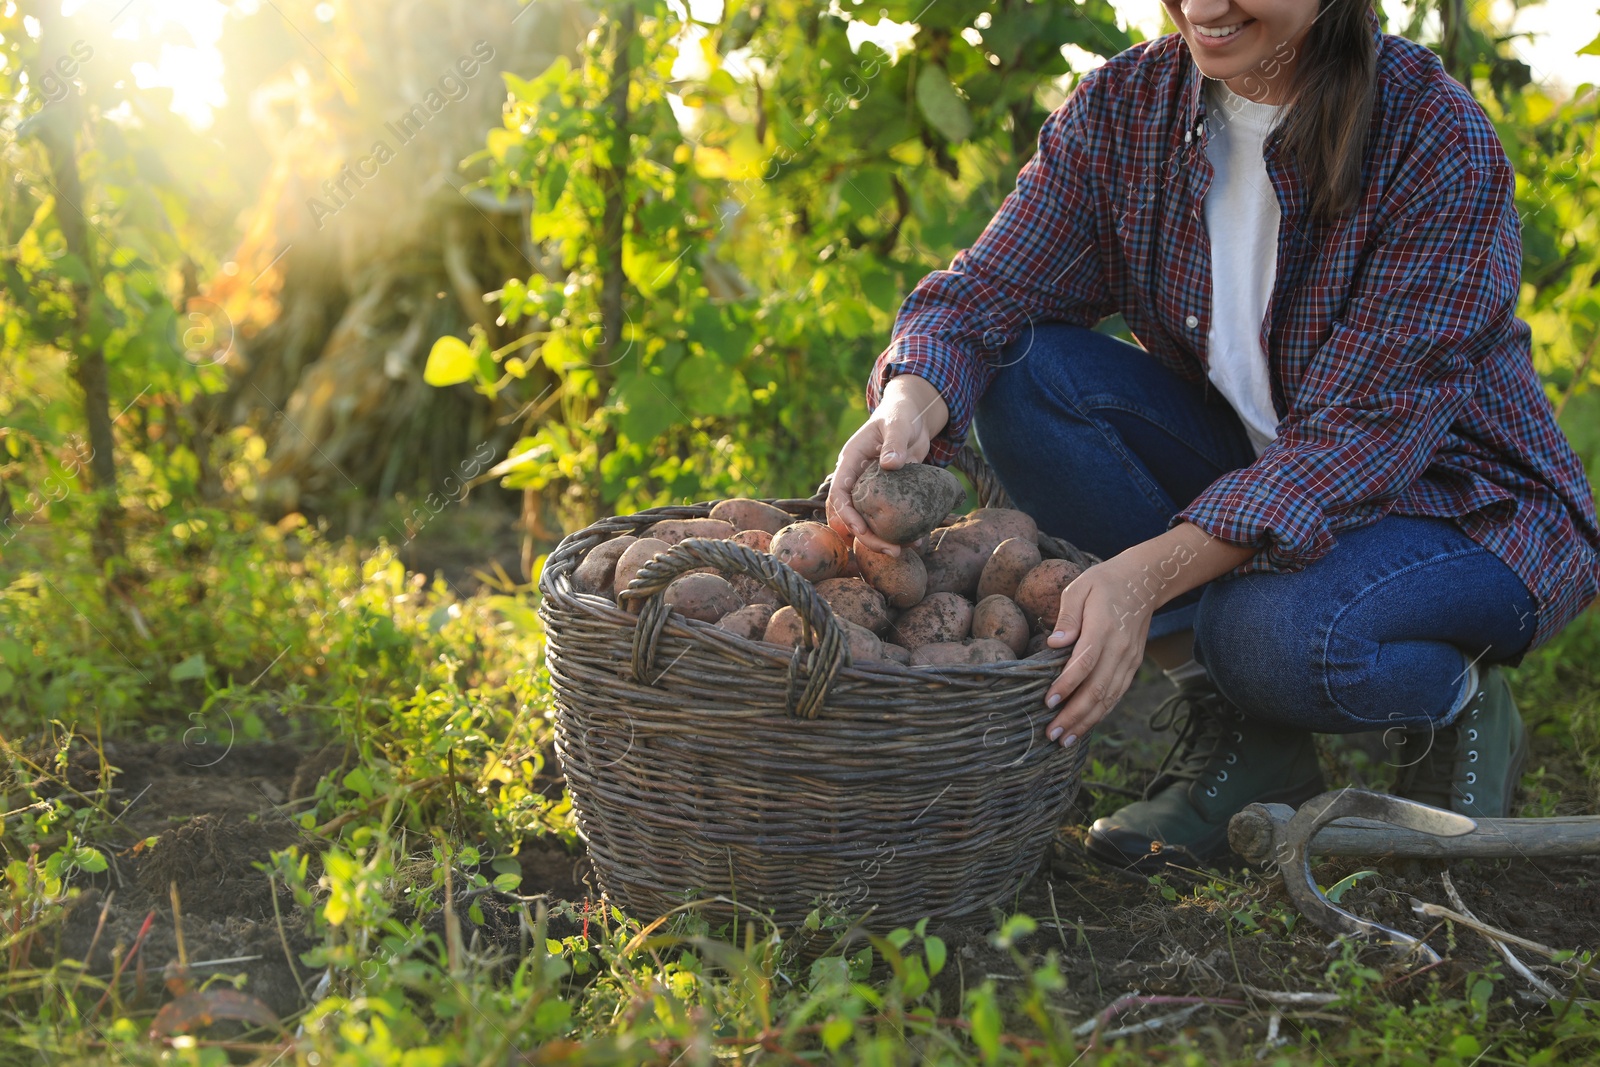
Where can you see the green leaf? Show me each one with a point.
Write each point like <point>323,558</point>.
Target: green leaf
<point>450,362</point>
<point>8,682</point>
<point>646,406</point>
<point>836,1031</point>
<point>936,953</point>
<point>985,1017</point>
<point>507,883</point>
<point>1591,49</point>
<point>1342,886</point>
<point>707,388</point>
<point>90,859</point>
<point>941,105</point>
<point>552,1017</point>
<point>358,782</point>
<point>192,667</point>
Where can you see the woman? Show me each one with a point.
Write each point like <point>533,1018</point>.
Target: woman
<point>1329,492</point>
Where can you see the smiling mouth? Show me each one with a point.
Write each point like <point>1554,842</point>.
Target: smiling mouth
<point>1220,31</point>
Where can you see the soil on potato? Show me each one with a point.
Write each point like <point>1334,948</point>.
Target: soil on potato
<point>214,819</point>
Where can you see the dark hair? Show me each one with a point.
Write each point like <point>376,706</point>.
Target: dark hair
<point>1330,110</point>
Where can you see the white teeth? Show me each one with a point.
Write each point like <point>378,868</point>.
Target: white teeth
<point>1222,31</point>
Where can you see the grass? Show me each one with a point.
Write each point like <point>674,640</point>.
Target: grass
<point>444,705</point>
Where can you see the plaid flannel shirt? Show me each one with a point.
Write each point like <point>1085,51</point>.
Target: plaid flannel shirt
<point>1401,375</point>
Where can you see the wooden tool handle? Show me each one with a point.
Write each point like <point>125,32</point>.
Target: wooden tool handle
<point>1258,834</point>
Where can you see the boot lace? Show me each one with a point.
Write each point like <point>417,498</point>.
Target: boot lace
<point>1205,723</point>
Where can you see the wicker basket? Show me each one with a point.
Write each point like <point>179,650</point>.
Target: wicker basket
<point>703,765</point>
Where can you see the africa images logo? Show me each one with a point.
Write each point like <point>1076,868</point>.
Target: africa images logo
<point>453,86</point>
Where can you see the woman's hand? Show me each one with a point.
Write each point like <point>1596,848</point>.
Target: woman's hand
<point>1106,611</point>
<point>899,431</point>
<point>1103,613</point>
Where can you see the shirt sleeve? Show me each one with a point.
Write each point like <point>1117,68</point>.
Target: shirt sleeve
<point>1037,260</point>
<point>1433,299</point>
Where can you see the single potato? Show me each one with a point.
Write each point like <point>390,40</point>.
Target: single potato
<point>999,618</point>
<point>633,557</point>
<point>674,530</point>
<point>1039,593</point>
<point>902,579</point>
<point>752,590</point>
<point>707,597</point>
<point>760,540</point>
<point>599,567</point>
<point>1011,561</point>
<point>961,653</point>
<point>784,628</point>
<point>902,505</point>
<point>752,515</point>
<point>749,621</point>
<point>940,618</point>
<point>812,549</point>
<point>855,601</point>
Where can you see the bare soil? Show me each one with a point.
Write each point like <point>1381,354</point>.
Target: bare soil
<point>1114,933</point>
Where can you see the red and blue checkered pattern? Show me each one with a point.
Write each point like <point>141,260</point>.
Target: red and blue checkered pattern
<point>1402,376</point>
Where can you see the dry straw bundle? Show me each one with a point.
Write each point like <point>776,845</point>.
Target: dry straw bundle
<point>703,764</point>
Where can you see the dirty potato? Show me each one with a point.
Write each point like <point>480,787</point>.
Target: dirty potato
<point>749,621</point>
<point>902,505</point>
<point>999,618</point>
<point>633,557</point>
<point>902,579</point>
<point>812,549</point>
<point>674,530</point>
<point>1039,593</point>
<point>784,628</point>
<point>752,515</point>
<point>855,601</point>
<point>707,597</point>
<point>1011,561</point>
<point>865,647</point>
<point>599,567</point>
<point>957,553</point>
<point>940,617</point>
<point>760,540</point>
<point>961,653</point>
<point>752,590</point>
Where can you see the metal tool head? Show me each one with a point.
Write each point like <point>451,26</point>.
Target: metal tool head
<point>1294,859</point>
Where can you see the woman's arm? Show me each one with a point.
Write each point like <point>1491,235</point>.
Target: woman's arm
<point>1041,258</point>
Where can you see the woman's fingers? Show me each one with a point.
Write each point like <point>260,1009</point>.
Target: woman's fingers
<point>1070,615</point>
<point>893,437</point>
<point>1104,658</point>
<point>1085,657</point>
<point>853,459</point>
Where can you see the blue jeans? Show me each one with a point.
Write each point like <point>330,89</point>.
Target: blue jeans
<point>1103,445</point>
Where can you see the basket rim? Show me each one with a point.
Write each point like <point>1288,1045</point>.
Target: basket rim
<point>597,606</point>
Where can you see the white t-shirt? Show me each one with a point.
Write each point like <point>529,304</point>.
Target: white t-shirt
<point>1242,216</point>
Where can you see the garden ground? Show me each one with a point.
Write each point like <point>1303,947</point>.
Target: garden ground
<point>390,824</point>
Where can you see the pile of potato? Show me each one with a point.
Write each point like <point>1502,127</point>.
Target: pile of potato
<point>965,589</point>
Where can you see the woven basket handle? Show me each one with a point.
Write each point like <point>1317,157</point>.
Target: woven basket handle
<point>829,653</point>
